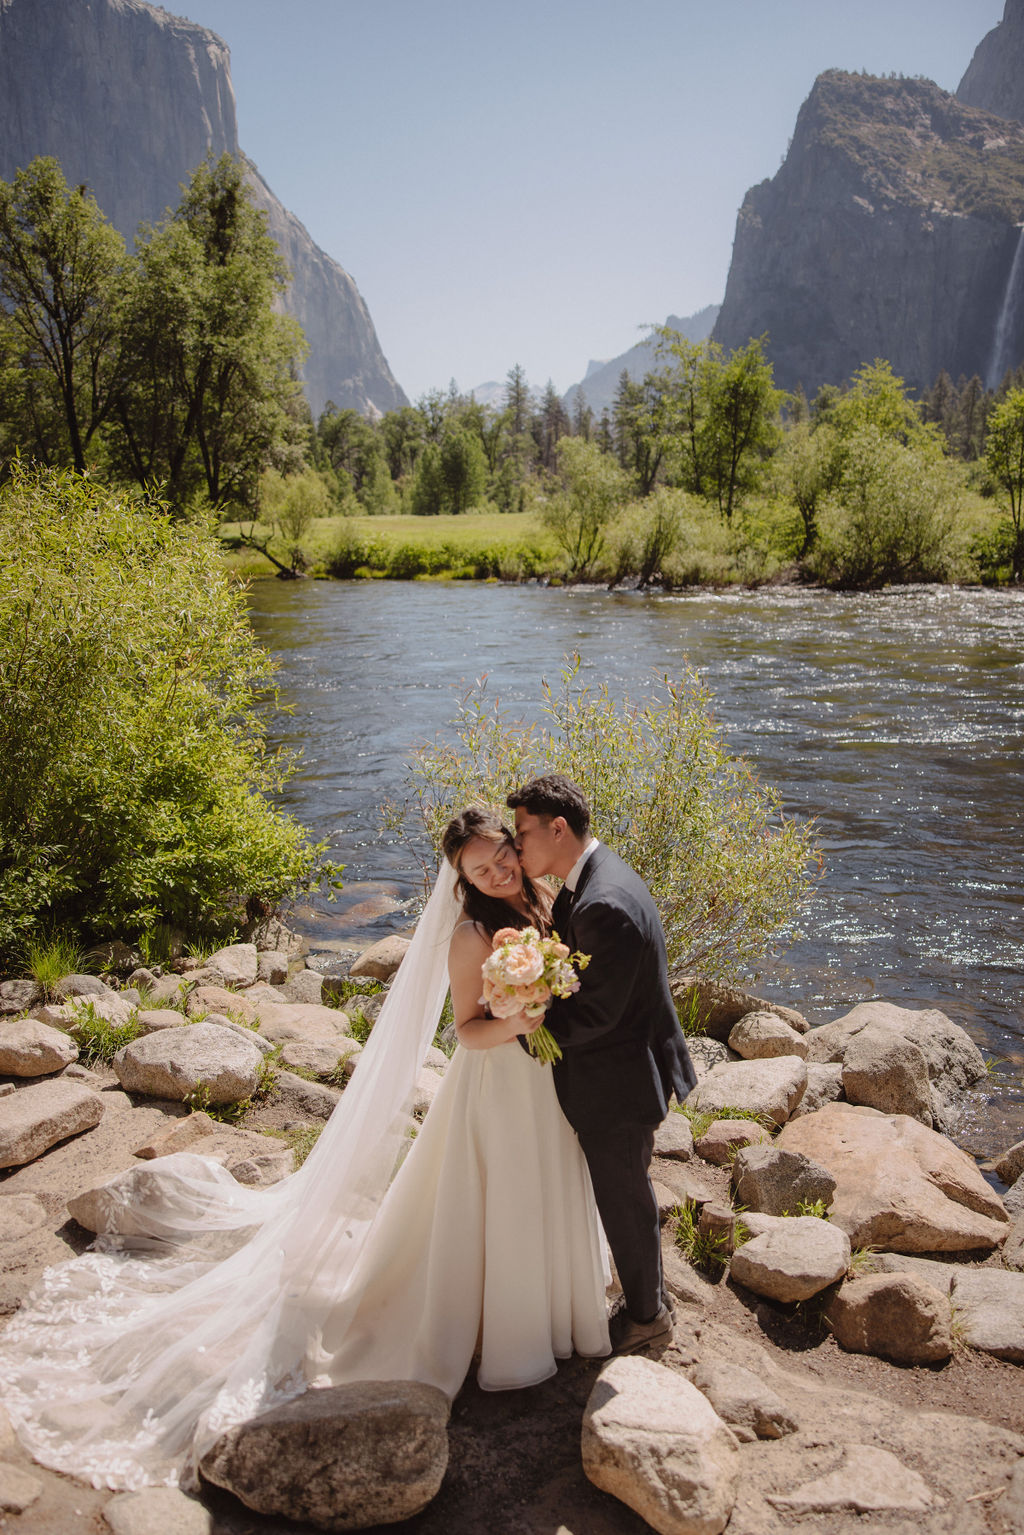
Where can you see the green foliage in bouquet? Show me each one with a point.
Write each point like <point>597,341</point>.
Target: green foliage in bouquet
<point>137,786</point>
<point>726,867</point>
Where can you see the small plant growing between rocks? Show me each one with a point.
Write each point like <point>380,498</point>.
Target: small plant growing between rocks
<point>705,1250</point>
<point>701,1120</point>
<point>50,959</point>
<point>98,1039</point>
<point>815,1207</point>
<point>862,1262</point>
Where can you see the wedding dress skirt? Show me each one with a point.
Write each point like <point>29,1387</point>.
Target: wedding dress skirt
<point>124,1368</point>
<point>489,1235</point>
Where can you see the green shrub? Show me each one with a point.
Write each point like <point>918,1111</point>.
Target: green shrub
<point>137,784</point>
<point>726,867</point>
<point>50,957</point>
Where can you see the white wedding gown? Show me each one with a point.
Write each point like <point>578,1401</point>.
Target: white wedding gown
<point>124,1367</point>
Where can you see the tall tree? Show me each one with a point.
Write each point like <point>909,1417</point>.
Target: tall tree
<point>1004,453</point>
<point>742,424</point>
<point>213,396</point>
<point>61,265</point>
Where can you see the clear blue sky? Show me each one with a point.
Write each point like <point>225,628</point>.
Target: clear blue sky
<point>532,182</point>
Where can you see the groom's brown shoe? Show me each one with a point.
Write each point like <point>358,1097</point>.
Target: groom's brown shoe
<point>628,1337</point>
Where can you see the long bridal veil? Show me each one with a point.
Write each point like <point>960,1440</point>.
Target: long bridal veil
<point>124,1365</point>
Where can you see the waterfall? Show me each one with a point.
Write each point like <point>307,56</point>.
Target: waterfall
<point>1004,356</point>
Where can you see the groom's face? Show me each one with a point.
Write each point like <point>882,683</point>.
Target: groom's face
<point>538,842</point>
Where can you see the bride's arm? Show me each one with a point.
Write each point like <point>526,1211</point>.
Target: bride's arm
<point>469,948</point>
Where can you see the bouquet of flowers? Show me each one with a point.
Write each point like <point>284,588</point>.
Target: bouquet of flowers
<point>523,974</point>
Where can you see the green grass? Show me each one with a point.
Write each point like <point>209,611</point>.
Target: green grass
<point>476,546</point>
<point>50,959</point>
<point>701,1120</point>
<point>99,1040</point>
<point>704,1250</point>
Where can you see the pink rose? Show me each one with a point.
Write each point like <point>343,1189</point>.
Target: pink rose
<point>523,965</point>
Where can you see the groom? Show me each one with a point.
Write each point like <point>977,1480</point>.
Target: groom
<point>623,1052</point>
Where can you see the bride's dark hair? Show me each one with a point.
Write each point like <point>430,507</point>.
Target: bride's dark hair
<point>488,910</point>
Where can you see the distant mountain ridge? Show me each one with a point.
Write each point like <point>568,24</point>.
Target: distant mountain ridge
<point>601,379</point>
<point>130,98</point>
<point>889,231</point>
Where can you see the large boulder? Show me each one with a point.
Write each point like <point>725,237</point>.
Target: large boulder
<point>776,1182</point>
<point>37,1117</point>
<point>1010,1164</point>
<point>653,1441</point>
<point>175,1063</point>
<point>108,1007</point>
<point>760,1036</point>
<point>381,960</point>
<point>308,1021</point>
<point>305,986</point>
<point>793,1260</point>
<point>716,1007</point>
<point>953,1060</point>
<point>29,1048</point>
<point>18,996</point>
<point>345,1458</point>
<point>772,1088</point>
<point>886,1071</point>
<point>234,965</point>
<point>897,1316</point>
<point>899,1185</point>
<point>211,998</point>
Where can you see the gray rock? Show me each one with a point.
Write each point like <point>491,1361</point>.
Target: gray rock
<point>174,1062</point>
<point>776,1182</point>
<point>37,1117</point>
<point>264,1169</point>
<point>18,996</point>
<point>772,1088</point>
<point>68,1015</point>
<point>18,1489</point>
<point>349,1457</point>
<point>272,936</point>
<point>1010,1164</point>
<point>305,986</point>
<point>157,1511</point>
<point>234,965</point>
<point>899,1185</point>
<point>824,1085</point>
<point>314,1100</point>
<point>144,977</point>
<point>183,1135</point>
<point>169,991</point>
<point>939,1275</point>
<point>680,1277</point>
<point>272,967</point>
<point>425,1091</point>
<point>723,1138</point>
<point>953,1060</point>
<point>887,1072</point>
<point>381,960</point>
<point>705,1053</point>
<point>264,1046</point>
<point>868,1481</point>
<point>1013,1247</point>
<point>29,1048</point>
<point>718,1007</point>
<point>653,1441</point>
<point>674,1138</point>
<point>741,1399</point>
<point>283,1021</point>
<point>82,986</point>
<point>895,1316</point>
<point>761,1036</point>
<point>7,1089</point>
<point>322,1059</point>
<point>794,1260</point>
<point>1013,1199</point>
<point>129,1204</point>
<point>210,998</point>
<point>988,1305</point>
<point>150,1019</point>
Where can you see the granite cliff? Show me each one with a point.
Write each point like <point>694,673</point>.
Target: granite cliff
<point>601,381</point>
<point>994,79</point>
<point>129,99</point>
<point>889,231</point>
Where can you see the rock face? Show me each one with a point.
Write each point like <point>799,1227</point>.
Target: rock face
<point>130,99</point>
<point>889,231</point>
<point>994,79</point>
<point>346,1458</point>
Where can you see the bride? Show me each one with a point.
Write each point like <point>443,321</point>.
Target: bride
<point>207,1303</point>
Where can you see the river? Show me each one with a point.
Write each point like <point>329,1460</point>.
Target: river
<point>896,719</point>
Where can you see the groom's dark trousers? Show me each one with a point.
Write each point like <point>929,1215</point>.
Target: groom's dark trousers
<point>623,1055</point>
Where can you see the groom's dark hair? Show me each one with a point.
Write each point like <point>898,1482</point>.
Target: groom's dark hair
<point>553,794</point>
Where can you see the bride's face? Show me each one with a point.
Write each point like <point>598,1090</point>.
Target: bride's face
<point>492,868</point>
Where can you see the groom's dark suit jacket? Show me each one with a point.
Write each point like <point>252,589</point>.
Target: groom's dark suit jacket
<point>623,1050</point>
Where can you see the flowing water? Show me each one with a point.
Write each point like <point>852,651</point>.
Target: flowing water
<point>896,719</point>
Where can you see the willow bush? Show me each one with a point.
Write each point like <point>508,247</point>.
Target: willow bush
<point>137,788</point>
<point>726,867</point>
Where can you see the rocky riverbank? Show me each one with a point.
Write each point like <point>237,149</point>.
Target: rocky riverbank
<point>847,1340</point>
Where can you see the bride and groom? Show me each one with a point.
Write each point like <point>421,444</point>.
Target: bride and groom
<point>126,1364</point>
